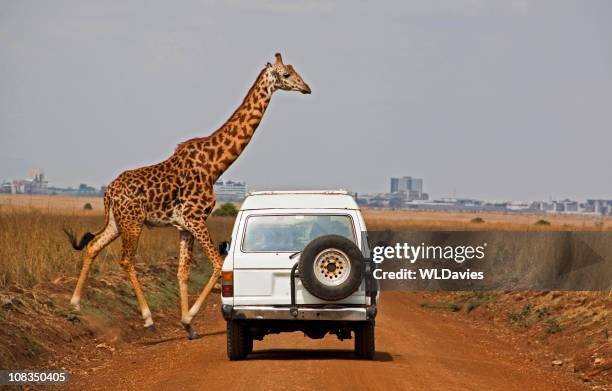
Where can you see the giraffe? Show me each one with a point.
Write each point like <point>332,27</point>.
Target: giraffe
<point>178,192</point>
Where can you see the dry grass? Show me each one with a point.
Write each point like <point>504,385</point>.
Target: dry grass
<point>412,220</point>
<point>33,247</point>
<point>50,204</point>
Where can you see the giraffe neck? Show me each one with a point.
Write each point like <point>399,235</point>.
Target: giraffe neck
<point>231,139</point>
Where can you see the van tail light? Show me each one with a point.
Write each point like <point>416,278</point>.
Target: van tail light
<point>227,284</point>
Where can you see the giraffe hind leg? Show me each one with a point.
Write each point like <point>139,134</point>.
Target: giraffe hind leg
<point>130,236</point>
<point>100,241</point>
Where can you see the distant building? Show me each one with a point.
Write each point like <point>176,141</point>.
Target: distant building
<point>6,187</point>
<point>416,185</point>
<point>541,206</point>
<point>565,206</point>
<point>394,185</point>
<point>602,207</point>
<point>230,190</point>
<point>35,184</point>
<point>413,187</point>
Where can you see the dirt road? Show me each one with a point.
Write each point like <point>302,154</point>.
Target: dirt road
<point>417,349</point>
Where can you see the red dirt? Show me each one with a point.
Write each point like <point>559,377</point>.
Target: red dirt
<point>417,348</point>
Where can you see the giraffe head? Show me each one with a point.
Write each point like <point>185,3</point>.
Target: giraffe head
<point>284,77</point>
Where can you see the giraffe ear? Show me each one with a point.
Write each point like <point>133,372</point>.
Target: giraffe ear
<point>279,58</point>
<point>268,64</point>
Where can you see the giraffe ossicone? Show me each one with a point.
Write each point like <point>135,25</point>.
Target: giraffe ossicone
<point>178,192</point>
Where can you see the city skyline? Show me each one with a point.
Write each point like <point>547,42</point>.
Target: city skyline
<point>39,173</point>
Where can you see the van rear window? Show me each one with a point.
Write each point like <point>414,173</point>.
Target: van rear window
<point>292,232</point>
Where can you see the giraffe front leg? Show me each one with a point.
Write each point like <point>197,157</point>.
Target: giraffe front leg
<point>185,256</point>
<point>200,231</point>
<point>128,266</point>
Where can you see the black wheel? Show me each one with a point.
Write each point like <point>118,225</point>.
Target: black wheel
<point>331,267</point>
<point>365,346</point>
<point>239,341</point>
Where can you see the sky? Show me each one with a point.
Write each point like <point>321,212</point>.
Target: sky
<point>495,100</point>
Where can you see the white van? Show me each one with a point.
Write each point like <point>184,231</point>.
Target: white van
<point>298,260</point>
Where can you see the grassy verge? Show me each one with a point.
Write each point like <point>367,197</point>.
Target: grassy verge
<point>33,247</point>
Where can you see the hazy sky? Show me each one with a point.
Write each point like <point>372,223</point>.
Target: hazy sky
<point>486,99</point>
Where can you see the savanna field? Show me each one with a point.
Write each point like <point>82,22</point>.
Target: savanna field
<point>38,270</point>
<point>33,247</point>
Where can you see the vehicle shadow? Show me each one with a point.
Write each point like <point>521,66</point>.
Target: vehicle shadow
<point>312,354</point>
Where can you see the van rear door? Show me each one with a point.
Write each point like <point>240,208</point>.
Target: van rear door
<point>266,241</point>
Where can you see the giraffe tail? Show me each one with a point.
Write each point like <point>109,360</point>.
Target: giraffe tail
<point>76,244</point>
<point>88,236</point>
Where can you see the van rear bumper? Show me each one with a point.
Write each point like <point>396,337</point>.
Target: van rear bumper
<point>257,312</point>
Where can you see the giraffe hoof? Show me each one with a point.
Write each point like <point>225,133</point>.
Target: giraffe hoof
<point>191,333</point>
<point>151,328</point>
<point>193,336</point>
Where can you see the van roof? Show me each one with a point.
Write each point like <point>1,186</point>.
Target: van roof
<point>299,199</point>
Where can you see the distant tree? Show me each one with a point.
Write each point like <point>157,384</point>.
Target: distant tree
<point>227,209</point>
<point>542,222</point>
<point>87,206</point>
<point>85,189</point>
<point>477,220</point>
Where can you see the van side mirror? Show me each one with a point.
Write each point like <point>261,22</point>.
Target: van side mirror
<point>224,248</point>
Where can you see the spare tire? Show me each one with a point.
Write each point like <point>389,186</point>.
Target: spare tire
<point>331,267</point>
